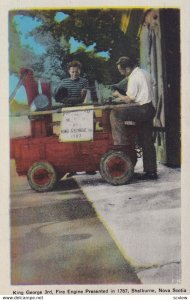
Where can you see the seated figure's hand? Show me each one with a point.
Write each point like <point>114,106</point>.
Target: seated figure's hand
<point>118,101</point>
<point>116,94</point>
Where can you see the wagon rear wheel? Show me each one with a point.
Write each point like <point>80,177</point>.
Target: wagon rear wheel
<point>116,167</point>
<point>42,177</point>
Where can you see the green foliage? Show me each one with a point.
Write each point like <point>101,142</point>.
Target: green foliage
<point>101,27</point>
<point>18,56</point>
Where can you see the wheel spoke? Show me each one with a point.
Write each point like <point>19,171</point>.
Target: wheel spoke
<point>116,167</point>
<point>42,176</point>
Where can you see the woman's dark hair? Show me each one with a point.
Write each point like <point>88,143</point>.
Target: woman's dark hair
<point>74,63</point>
<point>126,62</point>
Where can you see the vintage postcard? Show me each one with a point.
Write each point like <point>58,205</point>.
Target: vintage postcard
<point>94,148</point>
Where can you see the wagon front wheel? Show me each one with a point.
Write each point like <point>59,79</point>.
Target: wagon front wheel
<point>42,177</point>
<point>116,167</point>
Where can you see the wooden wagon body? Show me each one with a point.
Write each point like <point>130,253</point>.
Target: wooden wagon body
<point>45,159</point>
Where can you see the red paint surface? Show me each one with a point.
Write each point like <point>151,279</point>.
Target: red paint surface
<point>39,127</point>
<point>65,157</point>
<point>42,176</point>
<point>42,145</point>
<point>116,166</point>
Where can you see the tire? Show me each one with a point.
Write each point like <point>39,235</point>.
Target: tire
<point>42,177</point>
<point>116,167</point>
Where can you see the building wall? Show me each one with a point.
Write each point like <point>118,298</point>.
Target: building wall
<point>170,27</point>
<point>151,60</point>
<point>156,36</point>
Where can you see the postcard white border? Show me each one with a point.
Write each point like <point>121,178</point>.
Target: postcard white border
<point>5,6</point>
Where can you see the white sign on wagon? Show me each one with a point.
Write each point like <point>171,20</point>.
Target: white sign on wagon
<point>77,124</point>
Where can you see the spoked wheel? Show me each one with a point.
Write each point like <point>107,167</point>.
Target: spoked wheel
<point>116,167</point>
<point>42,177</point>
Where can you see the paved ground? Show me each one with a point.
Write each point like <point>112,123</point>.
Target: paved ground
<point>144,218</point>
<point>58,238</point>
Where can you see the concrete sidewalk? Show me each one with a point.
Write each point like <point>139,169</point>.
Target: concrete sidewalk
<point>57,238</point>
<point>144,218</point>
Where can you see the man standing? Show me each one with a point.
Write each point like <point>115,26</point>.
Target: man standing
<point>73,89</point>
<point>139,108</point>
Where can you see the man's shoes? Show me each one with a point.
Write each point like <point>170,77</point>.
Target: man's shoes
<point>148,176</point>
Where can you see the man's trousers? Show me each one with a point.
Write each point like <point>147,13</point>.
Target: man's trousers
<point>143,117</point>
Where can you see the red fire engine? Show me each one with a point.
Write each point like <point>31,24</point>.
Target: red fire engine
<point>45,160</point>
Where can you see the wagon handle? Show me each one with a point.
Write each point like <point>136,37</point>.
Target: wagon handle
<point>22,77</point>
<point>61,110</point>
